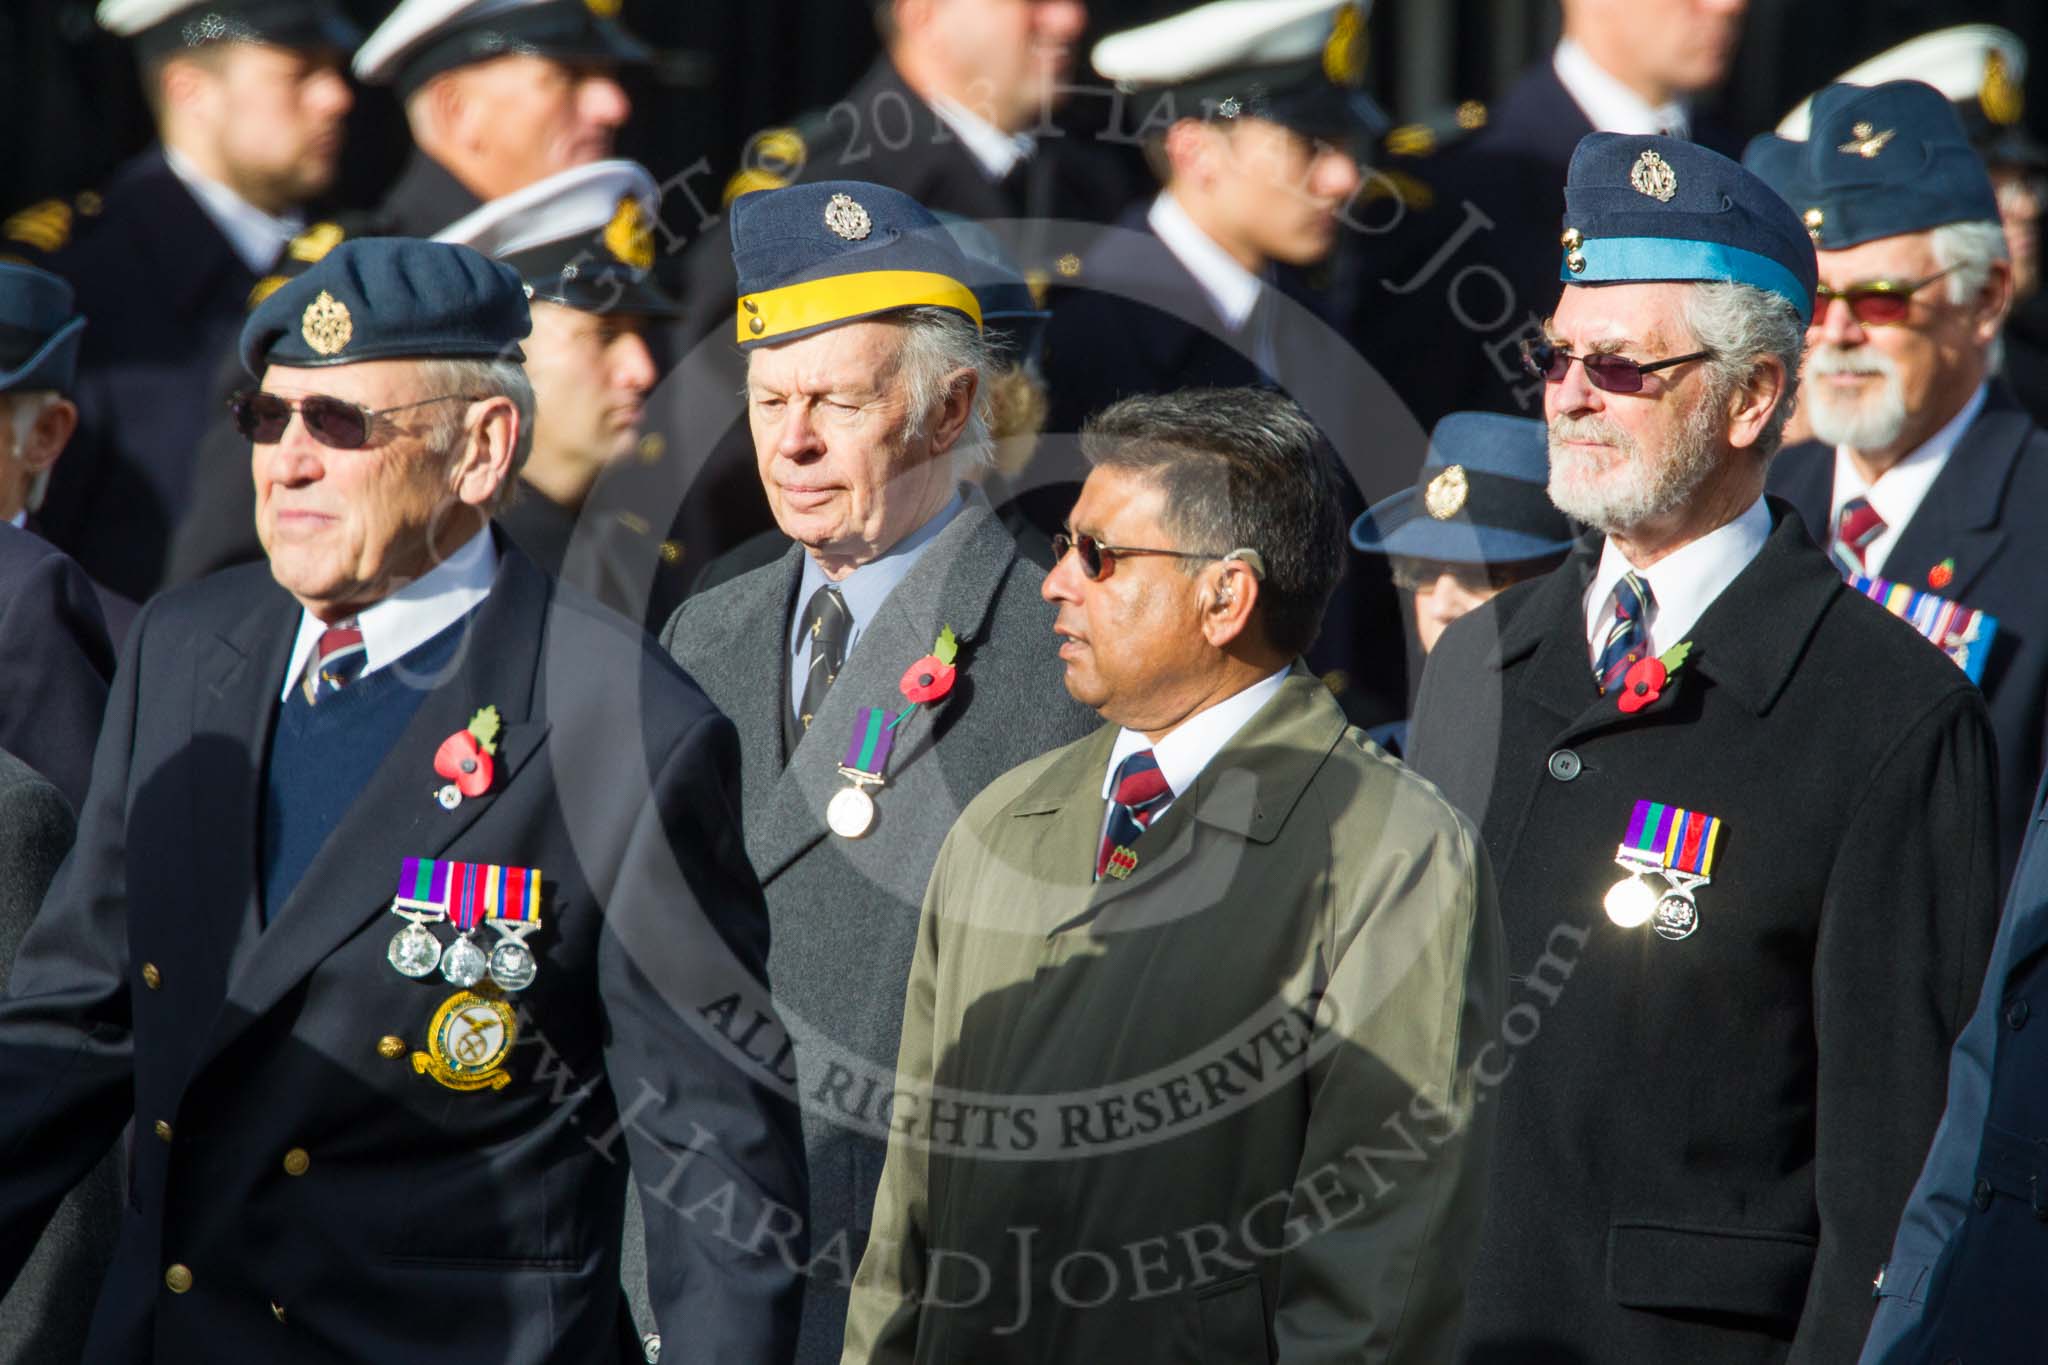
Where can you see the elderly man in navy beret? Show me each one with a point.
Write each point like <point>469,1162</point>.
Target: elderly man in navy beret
<point>406,878</point>
<point>1749,889</point>
<point>1925,477</point>
<point>887,667</point>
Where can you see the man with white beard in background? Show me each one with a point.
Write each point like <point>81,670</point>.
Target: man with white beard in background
<point>1926,480</point>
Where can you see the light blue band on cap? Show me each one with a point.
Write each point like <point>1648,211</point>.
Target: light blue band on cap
<point>1614,260</point>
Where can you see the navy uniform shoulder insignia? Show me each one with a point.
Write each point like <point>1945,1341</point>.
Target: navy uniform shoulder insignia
<point>45,226</point>
<point>1399,172</point>
<point>316,241</point>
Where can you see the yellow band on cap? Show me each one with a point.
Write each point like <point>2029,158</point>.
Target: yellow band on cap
<point>841,298</point>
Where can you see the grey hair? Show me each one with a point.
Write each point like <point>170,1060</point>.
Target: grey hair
<point>937,344</point>
<point>480,379</point>
<point>1240,469</point>
<point>1968,250</point>
<point>25,408</point>
<point>1740,324</point>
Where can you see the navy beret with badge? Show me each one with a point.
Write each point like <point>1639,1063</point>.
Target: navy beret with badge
<point>383,298</point>
<point>583,238</point>
<point>819,255</point>
<point>40,331</point>
<point>423,38</point>
<point>1298,63</point>
<point>160,28</point>
<point>1645,208</point>
<point>1879,161</point>
<point>1482,497</point>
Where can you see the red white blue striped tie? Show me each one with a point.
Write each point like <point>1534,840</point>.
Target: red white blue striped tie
<point>338,661</point>
<point>1628,637</point>
<point>1137,795</point>
<point>1855,529</point>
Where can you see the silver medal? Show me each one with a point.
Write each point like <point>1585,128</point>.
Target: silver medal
<point>414,951</point>
<point>512,965</point>
<point>1677,916</point>
<point>464,964</point>
<point>851,813</point>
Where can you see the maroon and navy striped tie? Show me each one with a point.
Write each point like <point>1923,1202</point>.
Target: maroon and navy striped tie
<point>1136,796</point>
<point>1855,529</point>
<point>338,661</point>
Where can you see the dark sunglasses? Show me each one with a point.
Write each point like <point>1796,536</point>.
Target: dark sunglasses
<point>1877,303</point>
<point>1098,558</point>
<point>1612,373</point>
<point>262,417</point>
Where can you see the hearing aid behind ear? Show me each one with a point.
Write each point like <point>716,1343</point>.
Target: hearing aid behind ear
<point>1251,559</point>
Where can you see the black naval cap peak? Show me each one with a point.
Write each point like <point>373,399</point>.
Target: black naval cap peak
<point>160,28</point>
<point>583,238</point>
<point>423,38</point>
<point>385,298</point>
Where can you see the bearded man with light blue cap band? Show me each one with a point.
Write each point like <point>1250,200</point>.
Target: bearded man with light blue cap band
<point>1715,1091</point>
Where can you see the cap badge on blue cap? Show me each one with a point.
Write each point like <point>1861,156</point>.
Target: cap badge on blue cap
<point>1865,141</point>
<point>1652,175</point>
<point>845,216</point>
<point>629,236</point>
<point>1446,494</point>
<point>326,325</point>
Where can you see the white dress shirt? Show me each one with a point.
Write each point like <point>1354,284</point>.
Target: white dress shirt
<point>1900,490</point>
<point>410,617</point>
<point>1233,291</point>
<point>257,237</point>
<point>1187,749</point>
<point>1608,105</point>
<point>1682,585</point>
<point>995,151</point>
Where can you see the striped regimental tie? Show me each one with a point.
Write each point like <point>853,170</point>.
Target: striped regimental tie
<point>1628,636</point>
<point>337,661</point>
<point>828,624</point>
<point>1855,529</point>
<point>1136,796</point>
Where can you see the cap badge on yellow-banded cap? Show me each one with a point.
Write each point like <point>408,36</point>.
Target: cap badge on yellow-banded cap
<point>629,236</point>
<point>847,218</point>
<point>326,325</point>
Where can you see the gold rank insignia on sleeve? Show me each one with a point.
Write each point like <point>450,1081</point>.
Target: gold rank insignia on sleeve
<point>326,325</point>
<point>629,236</point>
<point>315,242</point>
<point>45,226</point>
<point>263,289</point>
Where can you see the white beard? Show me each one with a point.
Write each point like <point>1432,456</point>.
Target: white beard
<point>1870,422</point>
<point>1627,490</point>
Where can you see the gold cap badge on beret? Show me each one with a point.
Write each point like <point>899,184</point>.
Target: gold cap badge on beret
<point>629,236</point>
<point>1445,496</point>
<point>1865,141</point>
<point>1652,175</point>
<point>326,325</point>
<point>847,218</point>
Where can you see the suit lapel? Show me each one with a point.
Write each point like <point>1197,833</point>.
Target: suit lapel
<point>1958,519</point>
<point>351,879</point>
<point>1805,477</point>
<point>952,585</point>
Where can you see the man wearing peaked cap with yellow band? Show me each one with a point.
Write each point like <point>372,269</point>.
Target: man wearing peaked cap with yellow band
<point>404,878</point>
<point>866,358</point>
<point>1748,892</point>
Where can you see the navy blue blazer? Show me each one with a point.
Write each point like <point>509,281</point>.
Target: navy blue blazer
<point>1987,511</point>
<point>55,662</point>
<point>301,1187</point>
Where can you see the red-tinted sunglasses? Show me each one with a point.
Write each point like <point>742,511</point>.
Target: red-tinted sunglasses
<point>1877,303</point>
<point>1613,373</point>
<point>262,417</point>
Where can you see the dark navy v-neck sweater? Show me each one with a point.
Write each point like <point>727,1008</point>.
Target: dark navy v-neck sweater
<point>321,757</point>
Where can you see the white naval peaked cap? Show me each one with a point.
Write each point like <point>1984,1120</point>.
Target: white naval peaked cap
<point>423,37</point>
<point>569,206</point>
<point>300,24</point>
<point>412,23</point>
<point>1219,36</point>
<point>1956,61</point>
<point>126,18</point>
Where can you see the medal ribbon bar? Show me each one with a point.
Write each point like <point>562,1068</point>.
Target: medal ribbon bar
<point>1669,837</point>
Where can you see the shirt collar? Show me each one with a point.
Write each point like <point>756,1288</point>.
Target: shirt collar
<point>1608,105</point>
<point>256,236</point>
<point>995,151</point>
<point>19,520</point>
<point>413,615</point>
<point>1191,745</point>
<point>867,587</point>
<point>1900,490</point>
<point>1684,583</point>
<point>1233,290</point>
